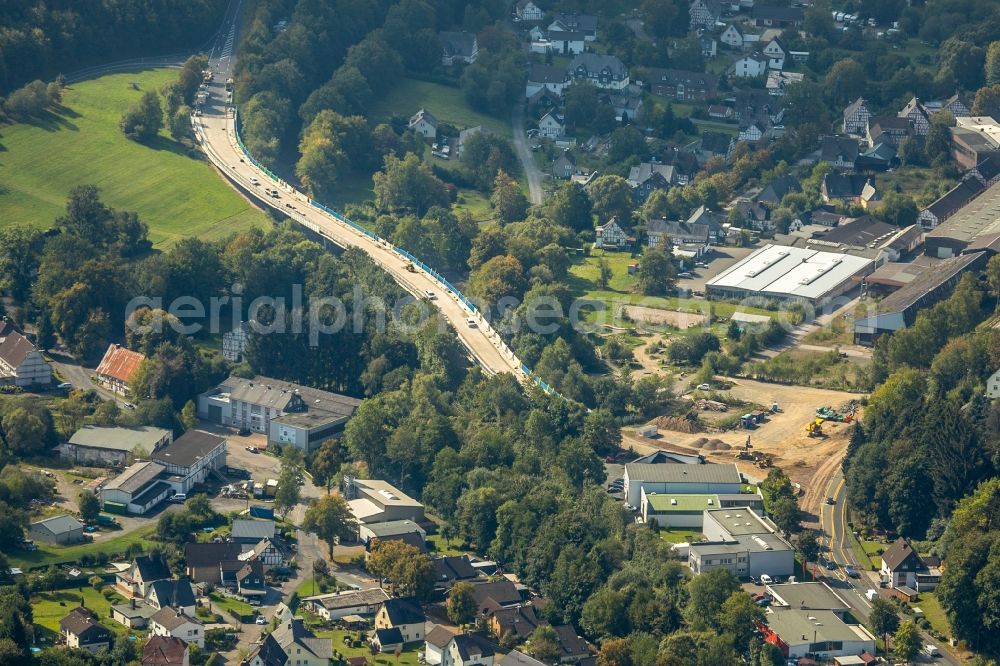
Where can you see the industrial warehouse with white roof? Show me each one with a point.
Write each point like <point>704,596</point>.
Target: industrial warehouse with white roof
<point>790,273</point>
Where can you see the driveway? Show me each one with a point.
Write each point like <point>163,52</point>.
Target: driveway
<point>531,171</point>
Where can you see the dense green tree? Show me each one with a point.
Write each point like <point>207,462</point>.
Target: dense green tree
<point>461,605</point>
<point>739,618</point>
<point>409,571</point>
<point>937,145</point>
<point>807,547</point>
<point>580,100</point>
<point>987,101</point>
<point>407,185</point>
<point>331,520</point>
<point>612,197</point>
<point>24,432</point>
<point>571,207</point>
<point>906,641</point>
<point>498,277</point>
<point>144,120</point>
<point>845,81</point>
<point>89,505</point>
<point>961,62</point>
<point>883,618</point>
<point>626,143</point>
<point>544,644</point>
<point>657,273</point>
<point>508,200</point>
<point>485,155</point>
<point>707,593</point>
<point>286,495</point>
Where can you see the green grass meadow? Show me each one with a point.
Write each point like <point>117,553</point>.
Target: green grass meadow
<point>50,554</point>
<point>175,195</point>
<point>446,103</point>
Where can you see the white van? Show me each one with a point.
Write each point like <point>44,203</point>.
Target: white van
<point>871,594</point>
<point>931,650</point>
<point>765,579</point>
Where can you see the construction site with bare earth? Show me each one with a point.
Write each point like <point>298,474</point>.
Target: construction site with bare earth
<point>802,430</point>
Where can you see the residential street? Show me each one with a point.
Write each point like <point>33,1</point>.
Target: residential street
<point>531,170</point>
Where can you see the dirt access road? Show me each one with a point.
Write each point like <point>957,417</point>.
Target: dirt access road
<point>808,461</point>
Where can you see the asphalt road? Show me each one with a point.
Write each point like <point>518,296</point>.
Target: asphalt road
<point>834,526</point>
<point>215,132</point>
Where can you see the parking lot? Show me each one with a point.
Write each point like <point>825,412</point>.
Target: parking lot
<point>718,260</point>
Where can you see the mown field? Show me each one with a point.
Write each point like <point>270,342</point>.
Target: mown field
<point>175,195</point>
<point>446,103</point>
<point>50,554</point>
<point>621,289</point>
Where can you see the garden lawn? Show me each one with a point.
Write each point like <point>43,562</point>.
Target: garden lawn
<point>934,613</point>
<point>48,554</point>
<point>407,658</point>
<point>177,196</point>
<point>680,536</point>
<point>873,551</point>
<point>446,103</point>
<point>50,607</point>
<point>230,604</point>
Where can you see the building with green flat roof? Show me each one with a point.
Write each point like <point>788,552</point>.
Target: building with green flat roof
<point>677,510</point>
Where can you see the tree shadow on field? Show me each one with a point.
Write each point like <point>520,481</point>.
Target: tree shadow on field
<point>52,122</point>
<point>169,145</point>
<point>68,112</point>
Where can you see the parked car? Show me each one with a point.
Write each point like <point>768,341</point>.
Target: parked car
<point>260,620</point>
<point>178,498</point>
<point>852,572</point>
<point>704,387</point>
<point>685,275</point>
<point>65,386</point>
<point>253,449</point>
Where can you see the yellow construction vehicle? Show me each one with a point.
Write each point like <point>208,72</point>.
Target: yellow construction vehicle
<point>815,428</point>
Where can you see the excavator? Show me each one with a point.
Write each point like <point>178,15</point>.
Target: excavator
<point>815,428</point>
<point>744,452</point>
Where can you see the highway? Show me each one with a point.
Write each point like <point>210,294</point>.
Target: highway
<point>833,519</point>
<point>216,132</point>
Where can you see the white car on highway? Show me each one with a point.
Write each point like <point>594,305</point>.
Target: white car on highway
<point>254,181</point>
<point>471,322</point>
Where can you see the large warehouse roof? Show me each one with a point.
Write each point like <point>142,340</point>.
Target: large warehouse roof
<point>979,217</point>
<point>790,272</point>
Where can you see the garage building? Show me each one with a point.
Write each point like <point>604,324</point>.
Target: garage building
<point>790,274</point>
<point>103,445</point>
<point>57,530</point>
<point>136,490</point>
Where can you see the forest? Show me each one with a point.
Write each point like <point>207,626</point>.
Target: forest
<point>39,40</point>
<point>924,462</point>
